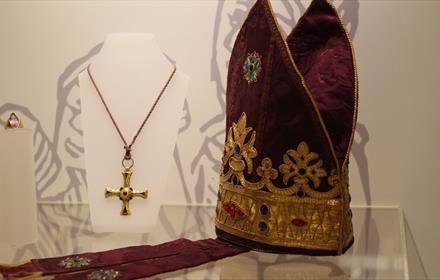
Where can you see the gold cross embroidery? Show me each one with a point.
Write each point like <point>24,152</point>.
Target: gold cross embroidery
<point>126,193</point>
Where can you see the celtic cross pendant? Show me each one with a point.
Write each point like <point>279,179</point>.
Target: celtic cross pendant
<point>126,193</point>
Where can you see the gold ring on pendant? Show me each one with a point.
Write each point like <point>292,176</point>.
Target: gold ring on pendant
<point>127,163</point>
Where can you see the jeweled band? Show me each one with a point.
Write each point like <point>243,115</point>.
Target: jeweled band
<point>294,217</point>
<point>291,222</point>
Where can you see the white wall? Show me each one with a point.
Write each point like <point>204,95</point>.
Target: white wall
<point>44,44</point>
<point>397,46</point>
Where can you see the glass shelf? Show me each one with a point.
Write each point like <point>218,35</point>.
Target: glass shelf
<point>379,251</point>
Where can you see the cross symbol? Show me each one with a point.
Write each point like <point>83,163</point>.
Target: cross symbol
<point>126,193</point>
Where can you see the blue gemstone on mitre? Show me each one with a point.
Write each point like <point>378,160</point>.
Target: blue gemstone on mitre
<point>264,210</point>
<point>263,226</point>
<point>237,149</point>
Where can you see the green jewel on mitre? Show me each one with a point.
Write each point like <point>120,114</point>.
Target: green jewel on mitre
<point>252,67</point>
<point>104,274</point>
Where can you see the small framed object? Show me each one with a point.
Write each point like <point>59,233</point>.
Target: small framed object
<point>13,122</point>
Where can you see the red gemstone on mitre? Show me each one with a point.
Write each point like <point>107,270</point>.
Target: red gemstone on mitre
<point>240,213</point>
<point>230,208</point>
<point>232,211</point>
<point>227,207</point>
<point>299,222</point>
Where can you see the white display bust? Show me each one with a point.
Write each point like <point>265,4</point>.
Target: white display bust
<point>130,70</point>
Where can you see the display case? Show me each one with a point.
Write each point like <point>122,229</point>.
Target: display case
<point>379,250</point>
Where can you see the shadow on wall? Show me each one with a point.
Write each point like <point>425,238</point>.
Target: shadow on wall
<point>59,157</point>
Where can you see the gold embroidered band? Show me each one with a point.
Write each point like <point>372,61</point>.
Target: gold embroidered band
<point>294,215</point>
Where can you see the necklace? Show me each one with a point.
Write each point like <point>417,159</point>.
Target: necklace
<point>126,192</point>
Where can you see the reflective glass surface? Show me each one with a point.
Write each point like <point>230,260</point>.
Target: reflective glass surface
<point>378,252</point>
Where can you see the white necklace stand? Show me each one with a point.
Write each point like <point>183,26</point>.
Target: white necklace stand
<point>130,70</point>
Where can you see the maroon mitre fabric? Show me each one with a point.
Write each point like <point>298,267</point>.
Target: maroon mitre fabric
<point>305,90</point>
<point>278,106</point>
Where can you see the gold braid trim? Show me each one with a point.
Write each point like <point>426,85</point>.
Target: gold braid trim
<point>320,218</point>
<point>301,165</point>
<point>278,215</point>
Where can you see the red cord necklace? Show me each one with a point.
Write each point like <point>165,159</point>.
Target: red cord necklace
<point>126,192</point>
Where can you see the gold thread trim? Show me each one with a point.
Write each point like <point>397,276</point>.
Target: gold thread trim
<point>320,217</point>
<point>302,166</point>
<point>250,236</point>
<point>344,188</point>
<point>275,198</point>
<point>245,197</point>
<point>356,78</point>
<point>355,112</point>
<point>356,82</point>
<point>315,222</point>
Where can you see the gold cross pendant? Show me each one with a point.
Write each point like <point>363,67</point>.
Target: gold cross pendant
<point>126,193</point>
